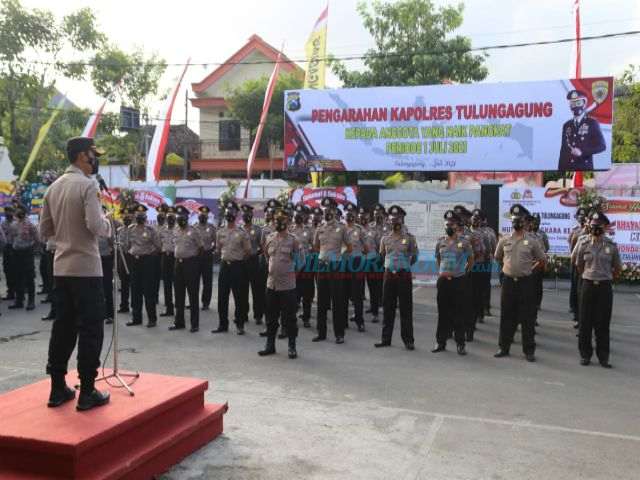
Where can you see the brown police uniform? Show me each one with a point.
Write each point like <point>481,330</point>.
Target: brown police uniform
<point>354,283</point>
<point>305,283</point>
<point>207,232</point>
<point>167,234</point>
<point>25,239</point>
<point>144,245</point>
<point>189,245</point>
<point>517,303</point>
<point>257,280</point>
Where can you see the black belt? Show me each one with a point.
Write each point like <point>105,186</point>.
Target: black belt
<point>597,282</point>
<point>517,279</point>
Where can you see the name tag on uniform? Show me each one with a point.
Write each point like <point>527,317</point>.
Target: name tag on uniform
<point>459,244</point>
<point>337,230</point>
<point>208,230</point>
<point>607,250</point>
<point>526,242</point>
<point>189,233</point>
<point>355,235</point>
<point>253,232</point>
<point>305,234</point>
<point>145,234</point>
<point>404,241</point>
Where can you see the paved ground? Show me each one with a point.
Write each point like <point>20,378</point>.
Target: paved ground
<point>351,411</point>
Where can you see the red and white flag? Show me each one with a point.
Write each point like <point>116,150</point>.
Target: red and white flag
<point>155,157</point>
<point>92,124</point>
<point>271,86</point>
<point>576,9</point>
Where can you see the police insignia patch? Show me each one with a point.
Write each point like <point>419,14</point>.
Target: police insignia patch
<point>459,244</point>
<point>607,250</point>
<point>600,91</point>
<point>526,242</point>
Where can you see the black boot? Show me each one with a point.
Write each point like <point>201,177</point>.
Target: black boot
<point>60,392</point>
<point>270,347</point>
<point>292,348</point>
<point>90,397</point>
<point>31,304</point>
<point>16,306</point>
<point>283,333</point>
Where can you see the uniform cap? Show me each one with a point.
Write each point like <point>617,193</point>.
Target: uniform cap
<point>140,208</point>
<point>171,210</point>
<point>328,202</point>
<point>576,94</point>
<point>598,218</point>
<point>581,212</point>
<point>300,208</point>
<point>518,210</point>
<point>396,210</point>
<point>273,203</point>
<point>8,209</point>
<point>76,145</point>
<point>350,207</point>
<point>362,211</point>
<point>477,212</point>
<point>452,216</point>
<point>280,214</point>
<point>181,210</point>
<point>204,209</point>
<point>231,205</point>
<point>317,211</point>
<point>461,211</point>
<point>289,206</point>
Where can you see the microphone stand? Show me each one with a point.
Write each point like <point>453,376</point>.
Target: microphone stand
<point>117,253</point>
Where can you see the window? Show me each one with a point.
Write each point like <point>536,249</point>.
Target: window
<point>229,135</point>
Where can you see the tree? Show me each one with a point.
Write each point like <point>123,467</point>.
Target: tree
<point>245,103</point>
<point>414,45</point>
<point>626,132</point>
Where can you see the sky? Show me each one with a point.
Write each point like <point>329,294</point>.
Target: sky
<point>212,30</point>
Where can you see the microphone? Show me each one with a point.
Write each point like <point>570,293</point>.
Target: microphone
<point>101,182</point>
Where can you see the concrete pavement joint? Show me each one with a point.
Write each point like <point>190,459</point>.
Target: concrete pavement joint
<point>447,416</point>
<point>416,469</point>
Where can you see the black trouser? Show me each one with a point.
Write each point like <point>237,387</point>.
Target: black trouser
<point>450,310</point>
<point>258,283</point>
<point>573,293</point>
<point>596,303</point>
<point>466,300</point>
<point>305,290</point>
<point>157,275</point>
<point>232,279</point>
<point>539,286</point>
<point>281,304</point>
<point>397,289</point>
<point>168,268</point>
<point>331,294</point>
<point>374,274</point>
<point>47,278</point>
<point>79,305</point>
<point>107,284</point>
<point>125,279</point>
<point>24,275</point>
<point>478,285</point>
<point>8,265</point>
<point>487,292</point>
<point>517,306</point>
<point>143,287</point>
<point>206,273</point>
<point>187,277</point>
<point>354,287</point>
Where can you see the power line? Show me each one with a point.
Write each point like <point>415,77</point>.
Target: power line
<point>351,57</point>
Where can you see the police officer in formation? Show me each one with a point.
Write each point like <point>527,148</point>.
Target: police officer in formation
<point>188,250</point>
<point>161,218</point>
<point>520,254</point>
<point>493,242</point>
<point>544,243</point>
<point>24,236</point>
<point>598,262</point>
<point>454,259</point>
<point>373,267</point>
<point>305,282</point>
<point>481,272</point>
<point>125,261</point>
<point>281,250</point>
<point>355,263</point>
<point>207,232</point>
<point>400,251</point>
<point>144,247</point>
<point>330,241</point>
<point>253,264</point>
<point>167,235</point>
<point>234,246</point>
<point>579,230</point>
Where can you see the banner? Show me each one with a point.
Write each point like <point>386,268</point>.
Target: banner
<point>6,194</point>
<point>524,126</point>
<point>149,197</point>
<point>508,179</point>
<point>624,214</point>
<point>311,197</point>
<point>556,207</point>
<point>316,50</point>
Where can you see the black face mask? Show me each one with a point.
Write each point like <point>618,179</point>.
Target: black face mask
<point>577,111</point>
<point>20,215</point>
<point>397,226</point>
<point>328,216</point>
<point>203,219</point>
<point>247,218</point>
<point>350,218</point>
<point>171,221</point>
<point>230,217</point>
<point>182,222</point>
<point>95,164</point>
<point>299,219</point>
<point>140,219</point>
<point>517,224</point>
<point>450,231</point>
<point>597,230</point>
<point>160,219</point>
<point>127,221</point>
<point>281,226</point>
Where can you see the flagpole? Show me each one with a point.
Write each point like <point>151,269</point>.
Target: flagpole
<point>578,180</point>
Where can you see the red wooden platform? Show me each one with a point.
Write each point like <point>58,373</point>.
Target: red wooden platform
<point>131,438</point>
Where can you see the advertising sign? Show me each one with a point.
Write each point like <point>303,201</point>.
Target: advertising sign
<point>624,214</point>
<point>523,126</point>
<point>311,197</point>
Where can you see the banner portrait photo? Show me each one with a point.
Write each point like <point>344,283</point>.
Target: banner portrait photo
<point>519,126</point>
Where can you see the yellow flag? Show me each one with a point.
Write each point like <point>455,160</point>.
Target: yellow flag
<point>316,49</point>
<point>42,134</point>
